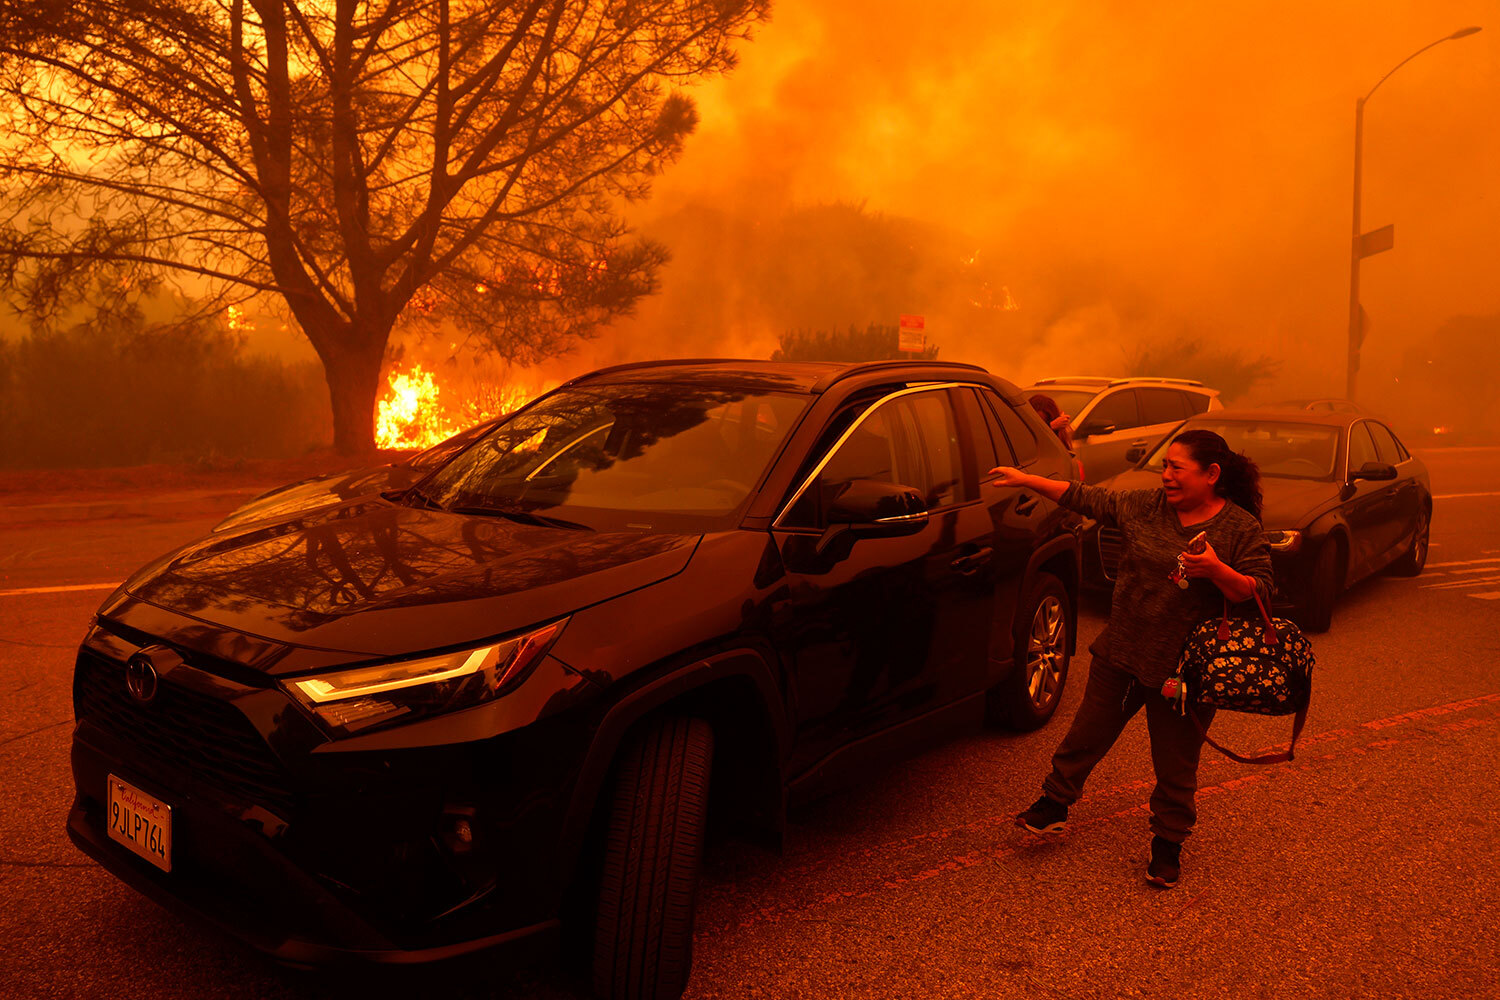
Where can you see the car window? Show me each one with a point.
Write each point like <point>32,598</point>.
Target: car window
<point>1198,402</point>
<point>1016,430</point>
<point>1118,408</point>
<point>1361,448</point>
<point>1385,444</point>
<point>1281,450</point>
<point>880,448</point>
<point>1070,401</point>
<point>426,461</point>
<point>986,450</point>
<point>936,438</point>
<point>1162,406</point>
<point>684,452</point>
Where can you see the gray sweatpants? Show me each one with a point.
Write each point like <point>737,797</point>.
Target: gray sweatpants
<point>1110,700</point>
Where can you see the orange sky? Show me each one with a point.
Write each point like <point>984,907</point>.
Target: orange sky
<point>1193,161</point>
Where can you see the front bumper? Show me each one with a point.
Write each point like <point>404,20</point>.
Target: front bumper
<point>317,852</point>
<point>342,939</point>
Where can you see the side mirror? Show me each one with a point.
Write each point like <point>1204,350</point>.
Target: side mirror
<point>1373,470</point>
<point>873,509</point>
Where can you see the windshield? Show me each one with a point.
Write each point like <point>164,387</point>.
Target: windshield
<point>1070,401</point>
<point>1282,450</point>
<point>669,450</point>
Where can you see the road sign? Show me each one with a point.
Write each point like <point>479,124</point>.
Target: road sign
<point>1377,241</point>
<point>913,336</point>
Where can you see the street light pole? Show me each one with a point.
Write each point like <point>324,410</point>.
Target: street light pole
<point>1357,247</point>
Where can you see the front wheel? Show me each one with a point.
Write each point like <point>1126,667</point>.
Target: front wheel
<point>1323,589</point>
<point>1030,693</point>
<point>643,938</point>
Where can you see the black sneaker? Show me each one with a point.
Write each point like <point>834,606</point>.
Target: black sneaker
<point>1164,869</point>
<point>1046,816</point>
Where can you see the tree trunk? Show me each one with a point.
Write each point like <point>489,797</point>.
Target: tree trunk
<point>353,384</point>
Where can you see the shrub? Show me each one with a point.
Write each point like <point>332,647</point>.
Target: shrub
<point>124,394</point>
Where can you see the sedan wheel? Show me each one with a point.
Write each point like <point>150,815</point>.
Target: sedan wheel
<point>1412,561</point>
<point>1327,581</point>
<point>1030,693</point>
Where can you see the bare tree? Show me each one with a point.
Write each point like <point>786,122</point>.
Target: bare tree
<point>423,160</point>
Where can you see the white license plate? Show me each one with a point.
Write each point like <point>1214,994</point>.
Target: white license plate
<point>141,822</point>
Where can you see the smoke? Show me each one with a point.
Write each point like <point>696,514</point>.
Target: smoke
<point>1129,174</point>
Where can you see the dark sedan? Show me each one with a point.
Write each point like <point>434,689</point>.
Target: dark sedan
<point>502,705</point>
<point>1344,499</point>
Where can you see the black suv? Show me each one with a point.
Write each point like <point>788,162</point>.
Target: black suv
<point>511,698</point>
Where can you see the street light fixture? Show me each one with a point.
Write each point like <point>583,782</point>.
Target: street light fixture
<point>1377,240</point>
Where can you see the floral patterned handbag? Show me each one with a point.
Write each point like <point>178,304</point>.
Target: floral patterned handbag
<point>1241,665</point>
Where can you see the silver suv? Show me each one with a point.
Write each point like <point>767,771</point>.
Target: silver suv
<point>1117,420</point>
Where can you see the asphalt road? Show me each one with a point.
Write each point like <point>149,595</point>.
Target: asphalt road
<point>1368,867</point>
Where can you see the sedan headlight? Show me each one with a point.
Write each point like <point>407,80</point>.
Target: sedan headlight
<point>350,701</point>
<point>1284,541</point>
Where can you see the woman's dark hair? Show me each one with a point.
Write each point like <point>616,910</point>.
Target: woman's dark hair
<point>1047,408</point>
<point>1239,476</point>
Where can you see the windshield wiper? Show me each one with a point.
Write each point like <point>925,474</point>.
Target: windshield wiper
<point>517,514</point>
<point>413,496</point>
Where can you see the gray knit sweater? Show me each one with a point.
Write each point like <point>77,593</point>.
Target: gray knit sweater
<point>1150,615</point>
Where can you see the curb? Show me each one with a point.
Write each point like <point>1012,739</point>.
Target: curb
<point>161,505</point>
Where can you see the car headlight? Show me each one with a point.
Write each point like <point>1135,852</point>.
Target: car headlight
<point>1284,541</point>
<point>361,698</point>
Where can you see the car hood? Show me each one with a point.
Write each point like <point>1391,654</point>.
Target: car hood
<point>1288,503</point>
<point>374,577</point>
<point>320,491</point>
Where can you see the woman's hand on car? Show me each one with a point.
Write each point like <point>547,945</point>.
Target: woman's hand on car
<point>1004,475</point>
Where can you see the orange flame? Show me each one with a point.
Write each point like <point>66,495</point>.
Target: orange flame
<point>413,415</point>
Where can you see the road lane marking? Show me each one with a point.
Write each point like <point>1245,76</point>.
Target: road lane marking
<point>1464,562</point>
<point>59,590</point>
<point>796,870</point>
<point>1493,595</point>
<point>1482,581</point>
<point>1459,496</point>
<point>919,869</point>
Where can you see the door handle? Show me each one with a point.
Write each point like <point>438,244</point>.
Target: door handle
<point>1026,504</point>
<point>972,561</point>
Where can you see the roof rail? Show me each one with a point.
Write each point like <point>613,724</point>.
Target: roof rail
<point>1162,381</point>
<point>1082,379</point>
<point>629,365</point>
<point>860,367</point>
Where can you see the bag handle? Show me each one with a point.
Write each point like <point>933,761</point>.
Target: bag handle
<point>1266,758</point>
<point>1271,636</point>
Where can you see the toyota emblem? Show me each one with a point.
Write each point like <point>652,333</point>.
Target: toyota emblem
<point>140,677</point>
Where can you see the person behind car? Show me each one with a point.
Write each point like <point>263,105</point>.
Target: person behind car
<point>1061,424</point>
<point>1205,488</point>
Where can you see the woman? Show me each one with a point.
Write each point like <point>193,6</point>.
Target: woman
<point>1205,487</point>
<point>1047,408</point>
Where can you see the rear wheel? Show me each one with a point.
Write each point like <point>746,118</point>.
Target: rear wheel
<point>643,940</point>
<point>1030,693</point>
<point>1412,561</point>
<point>1323,589</point>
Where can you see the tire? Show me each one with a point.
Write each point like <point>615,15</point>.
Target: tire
<point>653,845</point>
<point>1030,693</point>
<point>1412,561</point>
<point>1327,581</point>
